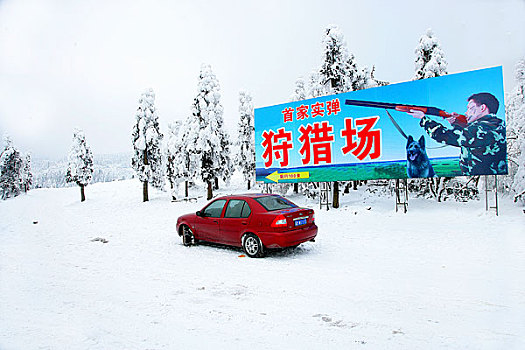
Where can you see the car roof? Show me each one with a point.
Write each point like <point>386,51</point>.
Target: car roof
<point>247,195</point>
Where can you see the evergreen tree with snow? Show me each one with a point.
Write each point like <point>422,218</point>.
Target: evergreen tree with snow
<point>180,157</point>
<point>515,112</point>
<point>338,74</point>
<point>430,59</point>
<point>212,144</point>
<point>300,93</point>
<point>80,163</point>
<point>338,70</point>
<point>26,174</point>
<point>518,185</point>
<point>192,163</point>
<point>146,139</point>
<point>314,87</point>
<point>226,164</point>
<point>11,165</point>
<point>172,151</point>
<point>245,160</point>
<point>430,62</point>
<point>365,79</point>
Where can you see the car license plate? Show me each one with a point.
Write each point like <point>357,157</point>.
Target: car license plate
<point>300,222</point>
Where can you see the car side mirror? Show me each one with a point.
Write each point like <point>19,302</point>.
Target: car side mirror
<point>199,213</point>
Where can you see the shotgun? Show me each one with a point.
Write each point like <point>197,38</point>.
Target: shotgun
<point>460,119</point>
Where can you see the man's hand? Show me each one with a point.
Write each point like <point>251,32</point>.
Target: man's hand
<point>453,117</point>
<point>416,113</point>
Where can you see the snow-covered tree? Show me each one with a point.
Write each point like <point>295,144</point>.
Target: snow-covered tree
<point>26,174</point>
<point>146,138</point>
<point>172,147</point>
<point>515,112</point>
<point>338,73</point>
<point>376,82</point>
<point>212,144</point>
<point>11,165</point>
<point>181,165</point>
<point>338,70</point>
<point>430,59</point>
<point>300,93</point>
<point>365,79</point>
<point>314,87</point>
<point>80,163</point>
<point>245,160</point>
<point>518,185</point>
<point>430,62</point>
<point>226,164</point>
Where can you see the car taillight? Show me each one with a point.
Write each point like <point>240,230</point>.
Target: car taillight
<point>312,218</point>
<point>279,221</point>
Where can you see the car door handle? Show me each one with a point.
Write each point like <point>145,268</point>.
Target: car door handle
<point>244,223</point>
<point>215,221</point>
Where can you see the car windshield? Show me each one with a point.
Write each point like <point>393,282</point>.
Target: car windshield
<point>271,203</point>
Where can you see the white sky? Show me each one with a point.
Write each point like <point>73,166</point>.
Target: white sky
<point>67,64</point>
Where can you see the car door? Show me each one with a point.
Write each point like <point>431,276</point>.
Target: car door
<point>207,225</point>
<point>235,220</point>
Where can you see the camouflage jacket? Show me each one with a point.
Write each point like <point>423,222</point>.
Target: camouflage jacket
<point>482,142</point>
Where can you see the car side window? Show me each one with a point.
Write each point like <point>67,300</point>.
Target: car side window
<point>214,210</point>
<point>235,209</point>
<point>246,211</point>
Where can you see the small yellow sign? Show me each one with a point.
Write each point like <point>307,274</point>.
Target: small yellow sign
<point>276,176</point>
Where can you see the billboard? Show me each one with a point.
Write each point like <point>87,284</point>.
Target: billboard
<point>439,127</point>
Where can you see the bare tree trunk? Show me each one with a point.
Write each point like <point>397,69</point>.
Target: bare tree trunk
<point>186,188</point>
<point>216,186</point>
<point>335,199</point>
<point>82,194</point>
<point>145,191</point>
<point>210,190</point>
<point>295,188</point>
<point>249,183</point>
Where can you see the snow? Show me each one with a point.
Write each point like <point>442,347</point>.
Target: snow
<point>443,275</point>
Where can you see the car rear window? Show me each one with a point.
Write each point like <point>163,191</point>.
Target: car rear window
<point>272,203</point>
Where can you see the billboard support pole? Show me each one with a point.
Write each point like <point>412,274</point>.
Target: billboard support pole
<point>493,189</point>
<point>402,194</point>
<point>324,195</point>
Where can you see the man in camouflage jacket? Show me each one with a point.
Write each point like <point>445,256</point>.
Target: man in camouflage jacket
<point>482,139</point>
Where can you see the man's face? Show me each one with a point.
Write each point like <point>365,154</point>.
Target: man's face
<point>474,112</point>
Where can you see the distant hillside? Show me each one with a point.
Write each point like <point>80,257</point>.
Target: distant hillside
<point>108,167</point>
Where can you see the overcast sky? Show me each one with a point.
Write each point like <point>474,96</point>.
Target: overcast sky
<point>67,64</point>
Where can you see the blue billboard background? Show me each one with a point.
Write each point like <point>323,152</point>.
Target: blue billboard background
<point>447,93</point>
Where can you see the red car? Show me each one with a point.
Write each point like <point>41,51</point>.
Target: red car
<point>255,222</point>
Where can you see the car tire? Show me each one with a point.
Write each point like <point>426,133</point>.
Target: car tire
<point>252,246</point>
<point>187,236</point>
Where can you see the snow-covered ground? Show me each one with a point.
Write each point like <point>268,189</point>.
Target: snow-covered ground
<point>444,275</point>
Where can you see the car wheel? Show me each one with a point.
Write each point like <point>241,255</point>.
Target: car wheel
<point>187,236</point>
<point>253,246</point>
